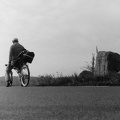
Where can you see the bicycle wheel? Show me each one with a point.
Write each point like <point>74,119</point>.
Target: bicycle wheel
<point>25,75</point>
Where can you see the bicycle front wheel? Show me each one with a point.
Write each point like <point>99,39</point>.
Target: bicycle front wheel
<point>25,75</point>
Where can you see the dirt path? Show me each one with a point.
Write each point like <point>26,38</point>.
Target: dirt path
<point>59,103</point>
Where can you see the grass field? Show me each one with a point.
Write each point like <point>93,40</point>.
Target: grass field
<point>83,103</point>
<point>98,103</point>
<point>74,102</point>
<point>60,103</point>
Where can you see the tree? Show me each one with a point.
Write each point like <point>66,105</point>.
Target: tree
<point>90,66</point>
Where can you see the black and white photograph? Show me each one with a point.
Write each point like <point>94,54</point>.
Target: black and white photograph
<point>60,60</point>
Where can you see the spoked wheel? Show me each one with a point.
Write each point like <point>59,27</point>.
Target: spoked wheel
<point>25,75</point>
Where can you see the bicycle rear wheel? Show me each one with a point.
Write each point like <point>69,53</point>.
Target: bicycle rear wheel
<point>25,75</point>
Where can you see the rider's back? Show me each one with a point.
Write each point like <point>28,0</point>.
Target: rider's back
<point>15,50</point>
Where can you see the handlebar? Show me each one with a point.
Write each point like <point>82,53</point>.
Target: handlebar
<point>6,64</point>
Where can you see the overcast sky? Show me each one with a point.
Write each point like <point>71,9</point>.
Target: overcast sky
<point>62,33</point>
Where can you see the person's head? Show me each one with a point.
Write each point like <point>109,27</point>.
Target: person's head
<point>15,40</point>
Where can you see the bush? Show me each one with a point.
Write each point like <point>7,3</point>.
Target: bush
<point>50,80</point>
<point>113,79</point>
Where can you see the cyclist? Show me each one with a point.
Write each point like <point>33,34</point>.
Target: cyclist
<point>15,50</point>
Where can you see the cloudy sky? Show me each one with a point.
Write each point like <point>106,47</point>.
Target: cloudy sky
<point>62,33</point>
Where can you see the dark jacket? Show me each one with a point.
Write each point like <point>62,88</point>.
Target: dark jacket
<point>15,50</point>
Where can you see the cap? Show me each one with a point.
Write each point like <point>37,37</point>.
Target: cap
<point>15,40</point>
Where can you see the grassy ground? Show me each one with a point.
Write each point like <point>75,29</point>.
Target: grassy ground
<point>60,103</point>
<point>85,103</point>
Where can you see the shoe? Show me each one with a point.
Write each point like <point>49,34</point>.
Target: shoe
<point>8,84</point>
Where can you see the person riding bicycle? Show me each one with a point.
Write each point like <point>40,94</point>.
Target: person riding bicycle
<point>15,50</point>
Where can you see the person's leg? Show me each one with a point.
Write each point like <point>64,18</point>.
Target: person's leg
<point>7,73</point>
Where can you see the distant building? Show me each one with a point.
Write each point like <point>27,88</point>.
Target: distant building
<point>107,62</point>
